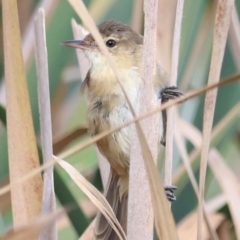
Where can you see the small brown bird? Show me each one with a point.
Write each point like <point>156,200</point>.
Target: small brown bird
<point>108,108</point>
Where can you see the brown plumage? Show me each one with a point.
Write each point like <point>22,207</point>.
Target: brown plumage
<point>108,108</point>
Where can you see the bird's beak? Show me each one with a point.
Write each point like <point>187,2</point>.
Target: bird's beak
<point>78,44</point>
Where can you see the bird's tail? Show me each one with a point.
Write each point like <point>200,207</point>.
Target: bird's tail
<point>119,204</point>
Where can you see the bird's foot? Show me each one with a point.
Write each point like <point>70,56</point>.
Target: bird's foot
<point>166,94</point>
<point>169,192</point>
<point>169,93</point>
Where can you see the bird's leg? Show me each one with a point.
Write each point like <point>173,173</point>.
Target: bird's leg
<point>166,94</point>
<point>169,192</point>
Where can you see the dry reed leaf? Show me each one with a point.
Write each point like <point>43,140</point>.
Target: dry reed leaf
<point>32,229</point>
<point>187,228</point>
<point>82,146</point>
<point>22,148</point>
<point>222,21</point>
<point>79,33</point>
<point>229,184</point>
<point>95,196</point>
<point>49,201</point>
<point>173,82</point>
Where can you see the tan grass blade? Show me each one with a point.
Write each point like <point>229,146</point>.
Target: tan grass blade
<point>49,201</point>
<point>187,228</point>
<point>80,147</point>
<point>95,196</point>
<point>173,81</point>
<point>79,33</point>
<point>222,21</point>
<point>32,229</point>
<point>229,184</point>
<point>22,148</point>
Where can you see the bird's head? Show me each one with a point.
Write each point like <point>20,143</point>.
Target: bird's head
<point>123,43</point>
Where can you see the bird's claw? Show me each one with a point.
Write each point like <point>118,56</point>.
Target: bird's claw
<point>166,94</point>
<point>169,192</point>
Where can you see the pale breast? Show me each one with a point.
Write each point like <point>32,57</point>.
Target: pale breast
<point>108,109</point>
<point>115,147</point>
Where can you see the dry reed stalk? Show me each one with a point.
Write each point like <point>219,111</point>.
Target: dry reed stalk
<point>173,81</point>
<point>22,148</point>
<point>49,201</point>
<point>222,22</point>
<point>95,196</point>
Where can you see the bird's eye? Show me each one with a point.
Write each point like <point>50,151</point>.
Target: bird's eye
<point>111,43</point>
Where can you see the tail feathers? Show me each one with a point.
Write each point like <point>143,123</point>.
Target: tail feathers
<point>103,230</point>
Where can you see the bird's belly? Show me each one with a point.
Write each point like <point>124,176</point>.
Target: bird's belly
<point>116,146</point>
